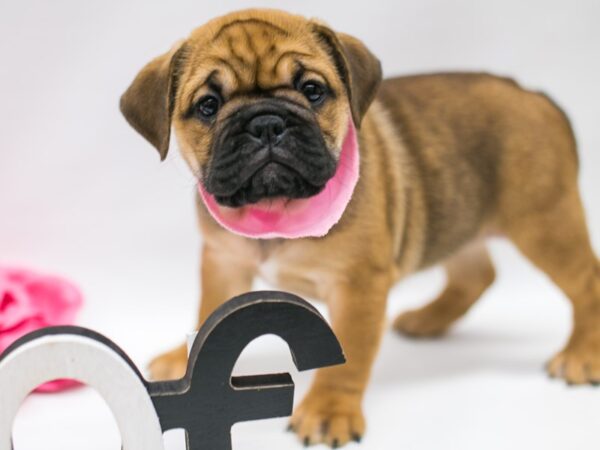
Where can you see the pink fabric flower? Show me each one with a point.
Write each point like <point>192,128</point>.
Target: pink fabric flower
<point>30,301</point>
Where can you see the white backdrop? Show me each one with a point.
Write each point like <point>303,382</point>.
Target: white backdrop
<point>81,194</point>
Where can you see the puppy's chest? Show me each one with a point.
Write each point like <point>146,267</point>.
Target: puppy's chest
<point>295,269</point>
<point>269,270</point>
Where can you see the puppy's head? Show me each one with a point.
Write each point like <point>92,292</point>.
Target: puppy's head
<point>260,102</point>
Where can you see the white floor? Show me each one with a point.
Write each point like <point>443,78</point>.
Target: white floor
<point>483,386</point>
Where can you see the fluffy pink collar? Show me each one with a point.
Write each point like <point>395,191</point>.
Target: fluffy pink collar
<point>281,218</point>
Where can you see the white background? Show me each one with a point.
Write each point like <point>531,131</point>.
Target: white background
<point>81,194</point>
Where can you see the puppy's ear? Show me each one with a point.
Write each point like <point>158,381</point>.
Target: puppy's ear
<point>359,69</point>
<point>148,102</point>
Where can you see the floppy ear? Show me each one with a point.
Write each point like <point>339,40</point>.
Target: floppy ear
<point>148,103</point>
<point>359,69</point>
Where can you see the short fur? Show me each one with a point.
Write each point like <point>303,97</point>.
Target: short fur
<point>446,161</point>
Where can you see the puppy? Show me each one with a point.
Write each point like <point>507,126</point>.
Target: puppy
<point>271,110</point>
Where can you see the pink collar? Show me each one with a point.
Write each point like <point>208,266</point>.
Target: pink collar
<point>281,218</point>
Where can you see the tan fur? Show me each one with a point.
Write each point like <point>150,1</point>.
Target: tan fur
<point>446,160</point>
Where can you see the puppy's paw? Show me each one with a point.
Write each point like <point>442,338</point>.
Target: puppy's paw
<point>329,416</point>
<point>423,322</point>
<point>577,364</point>
<point>169,366</point>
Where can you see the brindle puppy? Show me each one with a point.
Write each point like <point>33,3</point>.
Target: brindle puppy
<point>446,160</point>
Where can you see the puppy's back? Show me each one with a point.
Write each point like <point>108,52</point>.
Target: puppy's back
<point>480,145</point>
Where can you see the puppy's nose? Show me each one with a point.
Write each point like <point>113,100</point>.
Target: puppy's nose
<point>269,128</point>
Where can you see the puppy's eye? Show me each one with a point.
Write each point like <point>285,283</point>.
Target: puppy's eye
<point>207,106</point>
<point>313,91</point>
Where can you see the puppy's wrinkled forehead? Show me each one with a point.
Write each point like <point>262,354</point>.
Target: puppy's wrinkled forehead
<point>247,57</point>
<point>251,55</point>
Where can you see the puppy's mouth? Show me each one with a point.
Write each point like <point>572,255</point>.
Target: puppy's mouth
<point>277,201</point>
<point>266,179</point>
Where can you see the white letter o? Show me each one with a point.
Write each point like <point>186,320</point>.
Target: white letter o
<point>82,358</point>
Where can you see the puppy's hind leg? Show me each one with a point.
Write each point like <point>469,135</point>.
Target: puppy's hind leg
<point>470,272</point>
<point>556,240</point>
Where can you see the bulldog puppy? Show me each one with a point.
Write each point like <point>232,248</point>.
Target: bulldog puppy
<point>330,183</point>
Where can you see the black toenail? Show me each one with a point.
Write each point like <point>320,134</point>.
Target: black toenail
<point>335,444</point>
<point>290,428</point>
<point>306,441</point>
<point>357,438</point>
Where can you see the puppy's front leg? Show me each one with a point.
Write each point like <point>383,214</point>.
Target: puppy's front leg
<point>222,277</point>
<point>332,410</point>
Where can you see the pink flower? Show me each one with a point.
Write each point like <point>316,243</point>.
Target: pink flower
<point>30,301</point>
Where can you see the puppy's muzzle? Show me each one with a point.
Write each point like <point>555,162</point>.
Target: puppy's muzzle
<point>267,150</point>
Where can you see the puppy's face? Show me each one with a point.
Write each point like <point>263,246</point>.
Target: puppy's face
<point>260,103</point>
<point>261,112</point>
